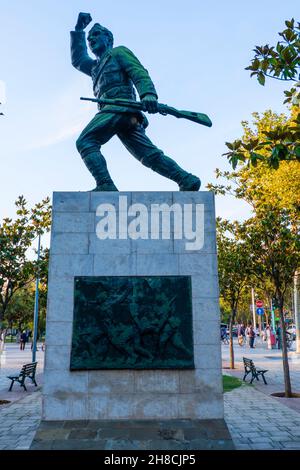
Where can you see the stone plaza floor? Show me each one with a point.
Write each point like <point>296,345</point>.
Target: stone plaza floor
<point>254,418</point>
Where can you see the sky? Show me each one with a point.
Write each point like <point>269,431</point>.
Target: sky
<point>196,53</point>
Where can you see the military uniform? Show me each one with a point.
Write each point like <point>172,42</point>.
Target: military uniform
<point>114,76</point>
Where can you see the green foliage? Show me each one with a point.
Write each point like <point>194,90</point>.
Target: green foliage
<point>265,247</point>
<point>266,175</point>
<point>19,312</point>
<point>274,244</point>
<point>225,311</point>
<point>272,146</point>
<point>271,236</point>
<point>16,237</point>
<point>263,186</point>
<point>281,62</point>
<point>233,259</point>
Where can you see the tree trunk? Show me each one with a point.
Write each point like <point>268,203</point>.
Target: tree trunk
<point>286,369</point>
<point>11,329</point>
<point>2,343</point>
<point>267,317</point>
<point>231,351</point>
<point>297,309</point>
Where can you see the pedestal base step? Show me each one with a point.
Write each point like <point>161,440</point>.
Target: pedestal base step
<point>133,435</point>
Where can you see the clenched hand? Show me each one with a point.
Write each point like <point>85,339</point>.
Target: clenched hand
<point>149,103</point>
<point>84,19</point>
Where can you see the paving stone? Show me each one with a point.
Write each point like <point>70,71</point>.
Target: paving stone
<point>239,441</point>
<point>277,445</point>
<point>259,439</point>
<point>291,444</point>
<point>262,446</point>
<point>281,437</point>
<point>249,435</point>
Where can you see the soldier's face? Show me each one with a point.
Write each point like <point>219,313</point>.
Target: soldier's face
<point>97,42</point>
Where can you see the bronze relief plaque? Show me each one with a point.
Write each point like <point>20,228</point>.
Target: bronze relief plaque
<point>132,322</point>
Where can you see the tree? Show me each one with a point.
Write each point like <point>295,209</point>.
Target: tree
<point>274,245</point>
<point>261,185</point>
<point>16,237</point>
<point>266,160</point>
<point>273,195</point>
<point>282,143</point>
<point>233,270</point>
<point>20,309</point>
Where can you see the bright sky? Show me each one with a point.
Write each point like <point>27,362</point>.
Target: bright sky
<point>195,52</point>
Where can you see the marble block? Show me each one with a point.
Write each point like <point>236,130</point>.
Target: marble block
<point>133,234</point>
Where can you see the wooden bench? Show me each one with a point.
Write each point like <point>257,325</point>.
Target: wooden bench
<point>28,370</point>
<point>251,369</point>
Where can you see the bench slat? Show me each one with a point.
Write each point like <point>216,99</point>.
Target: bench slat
<point>249,367</point>
<point>28,370</point>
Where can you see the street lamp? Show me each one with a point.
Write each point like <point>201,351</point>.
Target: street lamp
<point>297,310</point>
<point>36,303</point>
<point>253,308</point>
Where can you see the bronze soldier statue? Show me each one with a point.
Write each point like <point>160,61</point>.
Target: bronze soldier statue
<point>115,72</point>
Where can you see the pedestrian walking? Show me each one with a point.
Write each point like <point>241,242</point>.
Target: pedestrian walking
<point>3,335</point>
<point>251,336</point>
<point>241,334</point>
<point>279,336</point>
<point>224,336</point>
<point>270,337</point>
<point>23,340</point>
<point>247,335</point>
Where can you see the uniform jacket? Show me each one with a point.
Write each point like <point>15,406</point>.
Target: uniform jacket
<point>114,74</point>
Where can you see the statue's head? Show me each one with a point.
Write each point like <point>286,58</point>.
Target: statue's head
<point>100,39</point>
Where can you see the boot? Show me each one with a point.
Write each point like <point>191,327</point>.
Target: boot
<point>96,164</point>
<point>190,183</point>
<point>167,167</point>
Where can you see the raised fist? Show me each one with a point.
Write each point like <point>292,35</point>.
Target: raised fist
<point>83,20</point>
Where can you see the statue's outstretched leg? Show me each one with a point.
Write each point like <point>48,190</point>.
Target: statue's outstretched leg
<point>141,147</point>
<point>98,132</point>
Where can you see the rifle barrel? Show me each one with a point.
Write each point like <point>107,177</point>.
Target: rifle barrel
<point>164,109</point>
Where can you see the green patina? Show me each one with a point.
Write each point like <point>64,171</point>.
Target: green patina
<point>116,73</point>
<point>132,323</point>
